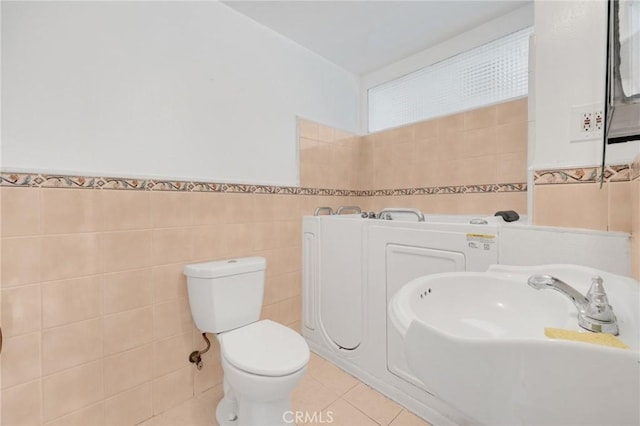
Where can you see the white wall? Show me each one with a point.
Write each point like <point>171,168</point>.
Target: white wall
<point>518,19</point>
<point>570,71</point>
<point>182,90</point>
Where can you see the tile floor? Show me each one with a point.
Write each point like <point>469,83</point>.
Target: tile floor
<point>324,390</point>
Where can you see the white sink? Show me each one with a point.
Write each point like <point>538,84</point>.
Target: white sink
<point>477,341</point>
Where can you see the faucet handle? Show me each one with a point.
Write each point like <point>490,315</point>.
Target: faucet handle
<point>598,306</point>
<point>596,286</point>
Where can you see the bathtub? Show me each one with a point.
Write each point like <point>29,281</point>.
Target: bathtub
<point>352,266</point>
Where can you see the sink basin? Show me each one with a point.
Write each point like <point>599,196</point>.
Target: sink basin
<point>477,341</point>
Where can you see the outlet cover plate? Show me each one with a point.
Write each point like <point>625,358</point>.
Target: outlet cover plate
<point>586,122</point>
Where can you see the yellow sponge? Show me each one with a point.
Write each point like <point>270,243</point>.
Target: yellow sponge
<point>595,338</point>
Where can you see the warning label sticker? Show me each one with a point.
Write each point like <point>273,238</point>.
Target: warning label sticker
<point>481,241</point>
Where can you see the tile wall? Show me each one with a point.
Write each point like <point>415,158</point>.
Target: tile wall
<point>472,162</point>
<point>635,217</point>
<point>94,308</point>
<point>95,313</point>
<point>575,198</point>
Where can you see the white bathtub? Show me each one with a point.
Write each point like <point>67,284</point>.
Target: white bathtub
<point>353,266</point>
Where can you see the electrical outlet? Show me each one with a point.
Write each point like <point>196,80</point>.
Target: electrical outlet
<point>598,120</point>
<point>587,122</point>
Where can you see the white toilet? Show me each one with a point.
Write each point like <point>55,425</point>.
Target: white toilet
<point>262,361</point>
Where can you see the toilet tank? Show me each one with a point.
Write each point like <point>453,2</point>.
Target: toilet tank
<point>225,294</point>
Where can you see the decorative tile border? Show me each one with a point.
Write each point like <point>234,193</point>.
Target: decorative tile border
<point>36,180</point>
<point>614,173</point>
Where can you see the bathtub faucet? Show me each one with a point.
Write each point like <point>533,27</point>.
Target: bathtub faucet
<point>594,311</point>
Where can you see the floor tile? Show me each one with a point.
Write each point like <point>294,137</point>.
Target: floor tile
<point>331,376</point>
<point>406,418</point>
<point>373,403</point>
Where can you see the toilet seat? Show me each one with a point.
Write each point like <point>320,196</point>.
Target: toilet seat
<point>265,348</point>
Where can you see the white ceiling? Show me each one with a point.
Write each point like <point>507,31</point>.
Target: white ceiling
<point>363,36</point>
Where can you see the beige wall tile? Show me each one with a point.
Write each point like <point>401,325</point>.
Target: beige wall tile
<point>635,256</point>
<point>273,235</point>
<point>130,407</point>
<point>425,129</point>
<point>21,261</point>
<point>171,245</point>
<point>478,170</point>
<point>236,239</point>
<point>479,142</point>
<point>512,112</point>
<point>127,330</point>
<point>128,290</point>
<point>326,133</point>
<point>239,208</point>
<point>571,205</point>
<point>172,389</point>
<point>480,204</point>
<point>276,207</point>
<point>480,117</point>
<point>425,151</point>
<point>620,205</point>
<point>282,260</point>
<point>70,256</point>
<point>71,345</point>
<point>511,137</point>
<point>92,415</point>
<point>171,318</point>
<point>128,369</point>
<point>451,124</point>
<point>21,310</point>
<point>172,354</point>
<point>21,358</point>
<point>449,147</point>
<point>170,209</point>
<point>208,242</point>
<point>284,312</point>
<point>397,135</point>
<point>126,250</point>
<point>169,282</point>
<point>635,206</point>
<point>72,300</point>
<point>211,373</point>
<point>70,210</point>
<point>307,129</point>
<point>22,405</point>
<point>125,210</point>
<point>512,167</point>
<point>282,287</point>
<point>516,201</point>
<point>70,390</point>
<point>207,208</point>
<point>20,211</point>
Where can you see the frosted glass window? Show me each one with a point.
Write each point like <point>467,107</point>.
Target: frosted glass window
<point>494,72</point>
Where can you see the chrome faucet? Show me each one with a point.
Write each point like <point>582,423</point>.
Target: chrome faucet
<point>594,311</point>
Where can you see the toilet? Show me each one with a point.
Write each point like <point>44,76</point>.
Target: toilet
<point>262,361</point>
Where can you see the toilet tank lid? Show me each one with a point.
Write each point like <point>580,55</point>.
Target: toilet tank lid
<point>223,268</point>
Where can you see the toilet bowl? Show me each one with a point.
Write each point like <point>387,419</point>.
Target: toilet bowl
<point>262,364</point>
<point>262,361</point>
